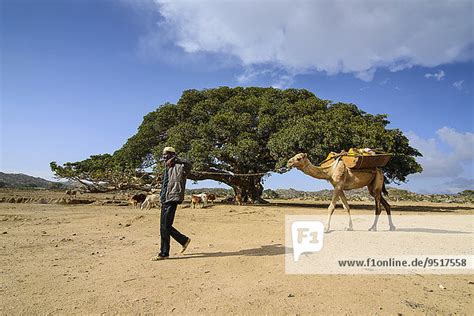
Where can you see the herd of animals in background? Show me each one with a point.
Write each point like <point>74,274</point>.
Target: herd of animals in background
<point>202,199</point>
<point>147,201</point>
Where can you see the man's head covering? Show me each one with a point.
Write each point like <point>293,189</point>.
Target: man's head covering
<point>169,150</point>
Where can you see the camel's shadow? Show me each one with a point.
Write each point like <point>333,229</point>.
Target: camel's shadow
<point>404,230</point>
<point>430,230</point>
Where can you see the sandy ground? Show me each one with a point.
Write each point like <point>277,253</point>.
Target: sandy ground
<point>64,259</point>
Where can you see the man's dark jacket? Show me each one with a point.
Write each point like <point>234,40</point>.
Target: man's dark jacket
<point>174,181</point>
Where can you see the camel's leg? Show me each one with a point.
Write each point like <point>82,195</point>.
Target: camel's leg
<point>377,196</point>
<point>389,214</point>
<point>347,209</point>
<point>332,206</point>
<point>377,214</point>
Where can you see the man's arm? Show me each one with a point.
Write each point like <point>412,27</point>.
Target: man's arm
<point>187,165</point>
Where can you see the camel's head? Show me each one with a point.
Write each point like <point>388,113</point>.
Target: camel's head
<point>297,161</point>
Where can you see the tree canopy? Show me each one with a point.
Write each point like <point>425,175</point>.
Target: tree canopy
<point>227,131</point>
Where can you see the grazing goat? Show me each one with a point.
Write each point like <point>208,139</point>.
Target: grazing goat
<point>211,197</point>
<point>150,201</point>
<point>196,199</point>
<point>238,199</point>
<point>203,197</point>
<point>137,199</point>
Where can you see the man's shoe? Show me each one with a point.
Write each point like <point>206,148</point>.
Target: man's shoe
<point>186,245</point>
<point>158,258</point>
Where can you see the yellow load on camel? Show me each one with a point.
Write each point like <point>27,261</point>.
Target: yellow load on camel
<point>359,158</point>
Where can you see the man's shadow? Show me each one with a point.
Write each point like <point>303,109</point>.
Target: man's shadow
<point>263,251</point>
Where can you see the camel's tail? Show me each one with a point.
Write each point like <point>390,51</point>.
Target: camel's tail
<point>384,190</point>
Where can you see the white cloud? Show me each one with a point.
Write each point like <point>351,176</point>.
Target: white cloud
<point>366,75</point>
<point>283,82</point>
<point>461,143</point>
<point>459,84</point>
<point>248,75</point>
<point>329,36</point>
<point>441,163</point>
<point>438,75</point>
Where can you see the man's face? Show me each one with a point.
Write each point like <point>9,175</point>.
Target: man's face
<point>167,156</point>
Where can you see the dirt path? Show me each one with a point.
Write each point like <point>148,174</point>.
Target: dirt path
<point>96,259</point>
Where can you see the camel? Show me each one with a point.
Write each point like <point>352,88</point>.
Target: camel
<point>343,178</point>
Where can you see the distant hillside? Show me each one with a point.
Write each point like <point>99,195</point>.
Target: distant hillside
<point>19,180</point>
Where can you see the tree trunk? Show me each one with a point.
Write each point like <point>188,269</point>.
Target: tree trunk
<point>249,188</point>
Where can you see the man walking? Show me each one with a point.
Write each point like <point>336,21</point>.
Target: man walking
<point>172,194</point>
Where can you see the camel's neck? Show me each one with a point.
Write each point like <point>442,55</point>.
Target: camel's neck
<point>315,172</point>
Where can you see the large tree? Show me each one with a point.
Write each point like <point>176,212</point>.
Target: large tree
<point>229,132</point>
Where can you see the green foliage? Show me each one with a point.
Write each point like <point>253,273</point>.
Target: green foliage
<point>469,193</point>
<point>99,173</point>
<point>270,194</point>
<point>221,129</point>
<point>250,130</point>
<point>340,127</point>
<point>96,167</point>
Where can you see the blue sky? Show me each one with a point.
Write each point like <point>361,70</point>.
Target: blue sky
<point>77,77</point>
